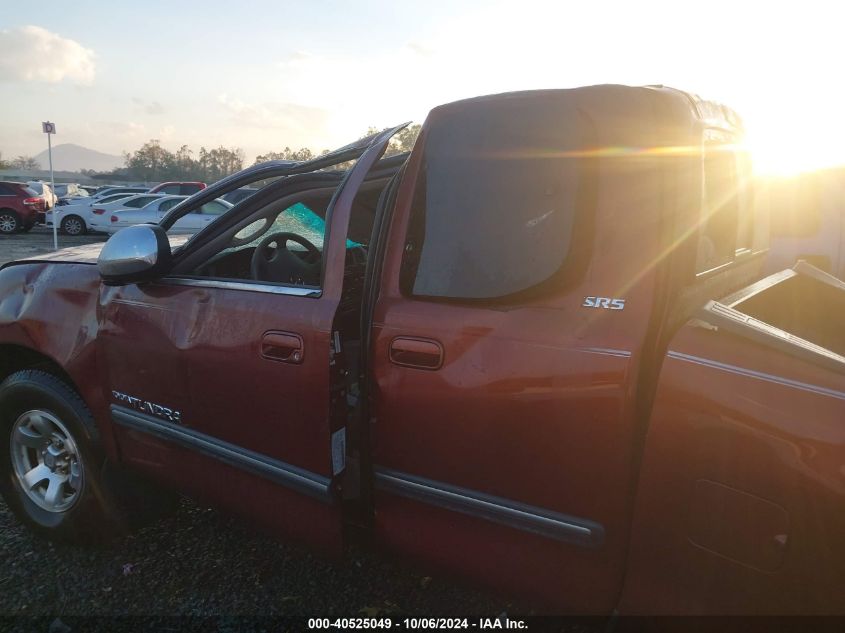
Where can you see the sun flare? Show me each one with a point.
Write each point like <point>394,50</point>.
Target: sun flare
<point>785,152</point>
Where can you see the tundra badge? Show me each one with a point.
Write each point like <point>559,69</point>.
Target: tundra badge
<point>144,406</point>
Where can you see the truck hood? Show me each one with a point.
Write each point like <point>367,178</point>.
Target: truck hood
<point>83,254</point>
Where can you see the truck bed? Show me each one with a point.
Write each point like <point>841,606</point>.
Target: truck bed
<point>804,301</point>
<point>742,476</point>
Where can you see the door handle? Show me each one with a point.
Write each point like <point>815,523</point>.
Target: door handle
<point>285,347</point>
<point>419,353</point>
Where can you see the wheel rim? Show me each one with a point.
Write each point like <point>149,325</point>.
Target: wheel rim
<point>73,226</point>
<point>46,461</point>
<point>8,223</point>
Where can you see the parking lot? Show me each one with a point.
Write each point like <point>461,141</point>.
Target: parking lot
<point>38,242</point>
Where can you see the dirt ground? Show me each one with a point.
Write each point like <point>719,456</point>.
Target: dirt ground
<point>38,242</point>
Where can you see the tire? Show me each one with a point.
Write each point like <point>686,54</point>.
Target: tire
<point>73,225</point>
<point>51,461</point>
<point>10,223</point>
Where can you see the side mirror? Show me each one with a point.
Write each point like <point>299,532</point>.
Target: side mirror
<point>136,253</point>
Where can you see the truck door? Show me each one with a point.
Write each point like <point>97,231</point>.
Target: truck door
<point>500,426</point>
<point>222,388</point>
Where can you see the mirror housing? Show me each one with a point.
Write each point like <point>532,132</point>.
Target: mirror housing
<point>134,254</point>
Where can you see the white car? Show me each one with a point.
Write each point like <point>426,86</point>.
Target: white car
<point>155,211</point>
<point>105,192</point>
<point>102,211</point>
<point>75,219</point>
<point>44,192</point>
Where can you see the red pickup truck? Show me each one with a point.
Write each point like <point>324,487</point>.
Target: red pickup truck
<point>537,351</point>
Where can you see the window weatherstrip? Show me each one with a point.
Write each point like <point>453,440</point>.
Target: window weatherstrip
<point>294,291</point>
<point>560,527</point>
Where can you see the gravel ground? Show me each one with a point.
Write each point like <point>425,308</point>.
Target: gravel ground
<point>38,242</point>
<point>201,562</point>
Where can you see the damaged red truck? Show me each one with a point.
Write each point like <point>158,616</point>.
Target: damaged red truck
<point>537,351</point>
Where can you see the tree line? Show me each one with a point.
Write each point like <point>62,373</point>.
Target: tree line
<point>154,163</point>
<point>403,141</point>
<point>19,162</point>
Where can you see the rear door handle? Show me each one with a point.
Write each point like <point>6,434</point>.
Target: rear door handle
<point>285,347</point>
<point>420,353</point>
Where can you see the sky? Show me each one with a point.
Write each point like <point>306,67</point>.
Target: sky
<point>318,73</point>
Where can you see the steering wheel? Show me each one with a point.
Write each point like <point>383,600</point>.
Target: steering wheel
<point>281,265</point>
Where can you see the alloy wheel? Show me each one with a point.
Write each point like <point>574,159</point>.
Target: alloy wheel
<point>46,461</point>
<point>72,226</point>
<point>8,223</point>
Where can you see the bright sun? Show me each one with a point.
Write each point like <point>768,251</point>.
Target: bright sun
<point>780,150</point>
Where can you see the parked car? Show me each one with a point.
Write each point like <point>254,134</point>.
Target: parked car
<point>516,355</point>
<point>70,190</point>
<point>20,207</point>
<point>43,190</point>
<point>156,210</point>
<point>76,218</point>
<point>90,189</point>
<point>107,191</point>
<point>234,197</point>
<point>179,188</point>
<point>102,211</point>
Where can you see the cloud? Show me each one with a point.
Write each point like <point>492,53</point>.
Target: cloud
<point>32,53</point>
<point>272,115</point>
<point>151,107</point>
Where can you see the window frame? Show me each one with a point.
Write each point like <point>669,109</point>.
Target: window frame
<point>571,269</point>
<point>744,214</point>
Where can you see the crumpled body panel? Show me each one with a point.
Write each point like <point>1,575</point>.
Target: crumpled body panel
<point>52,309</point>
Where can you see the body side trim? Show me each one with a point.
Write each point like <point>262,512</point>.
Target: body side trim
<point>750,373</point>
<point>540,521</point>
<point>277,471</point>
<point>605,351</point>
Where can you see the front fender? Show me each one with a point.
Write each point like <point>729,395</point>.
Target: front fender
<point>51,309</point>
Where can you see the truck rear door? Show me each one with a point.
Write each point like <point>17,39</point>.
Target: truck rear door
<point>500,420</point>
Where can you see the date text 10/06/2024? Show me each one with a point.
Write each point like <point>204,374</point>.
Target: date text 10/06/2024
<point>501,623</point>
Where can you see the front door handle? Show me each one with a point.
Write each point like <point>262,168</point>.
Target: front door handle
<point>285,347</point>
<point>420,353</point>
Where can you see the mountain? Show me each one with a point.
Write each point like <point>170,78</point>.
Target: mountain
<point>70,157</point>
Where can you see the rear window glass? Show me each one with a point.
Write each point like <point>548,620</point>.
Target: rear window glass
<point>112,198</point>
<point>214,208</point>
<point>496,198</point>
<point>140,201</point>
<point>166,205</point>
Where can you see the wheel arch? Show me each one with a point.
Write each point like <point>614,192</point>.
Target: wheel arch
<point>14,358</point>
<point>14,211</point>
<point>68,216</point>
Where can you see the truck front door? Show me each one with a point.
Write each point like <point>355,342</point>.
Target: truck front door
<point>221,386</point>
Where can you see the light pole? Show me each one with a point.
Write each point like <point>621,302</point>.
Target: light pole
<point>50,129</point>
